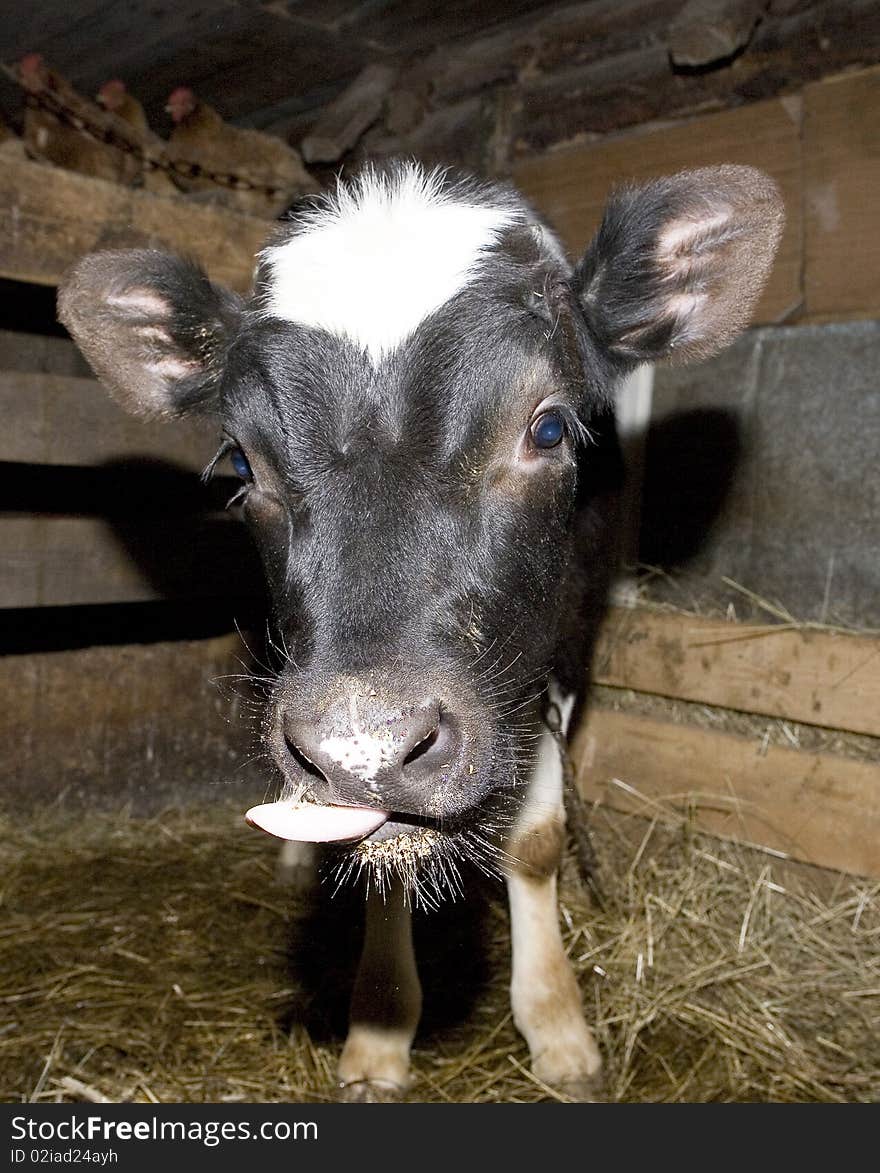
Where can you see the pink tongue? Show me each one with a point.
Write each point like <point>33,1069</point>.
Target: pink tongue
<point>310,823</point>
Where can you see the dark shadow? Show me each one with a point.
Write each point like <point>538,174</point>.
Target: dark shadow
<point>116,490</point>
<point>452,950</point>
<point>714,66</point>
<point>177,531</point>
<point>691,458</point>
<point>451,946</point>
<point>198,560</point>
<point>170,523</point>
<point>29,309</point>
<point>60,629</point>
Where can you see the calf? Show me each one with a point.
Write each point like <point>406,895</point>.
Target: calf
<point>418,398</point>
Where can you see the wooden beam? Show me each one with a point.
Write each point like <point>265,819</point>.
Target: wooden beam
<point>563,101</point>
<point>50,217</point>
<point>60,561</point>
<point>461,131</point>
<point>57,419</point>
<point>813,676</point>
<point>820,808</point>
<point>347,117</point>
<point>841,182</point>
<point>555,39</point>
<point>570,187</point>
<point>708,31</point>
<point>40,354</point>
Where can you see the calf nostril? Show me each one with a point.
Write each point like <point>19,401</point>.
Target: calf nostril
<point>435,750</point>
<point>302,760</point>
<point>422,747</point>
<point>349,756</point>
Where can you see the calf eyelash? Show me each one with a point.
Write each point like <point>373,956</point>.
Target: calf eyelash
<point>238,495</point>
<point>225,448</point>
<point>228,445</point>
<point>578,430</point>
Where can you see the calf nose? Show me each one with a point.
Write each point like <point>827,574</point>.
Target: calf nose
<point>370,751</point>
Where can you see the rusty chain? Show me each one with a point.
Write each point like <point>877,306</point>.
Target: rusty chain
<point>576,817</point>
<point>183,168</point>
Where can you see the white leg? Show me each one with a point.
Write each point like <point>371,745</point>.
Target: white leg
<point>297,867</point>
<point>544,993</point>
<point>385,1007</point>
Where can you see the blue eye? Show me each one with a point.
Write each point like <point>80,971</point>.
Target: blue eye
<point>548,429</point>
<point>239,462</point>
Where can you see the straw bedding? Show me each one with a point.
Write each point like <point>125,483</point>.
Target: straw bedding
<point>160,960</point>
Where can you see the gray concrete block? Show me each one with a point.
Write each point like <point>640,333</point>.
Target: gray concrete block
<point>762,466</point>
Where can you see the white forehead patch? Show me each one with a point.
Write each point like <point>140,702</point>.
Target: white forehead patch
<point>380,255</point>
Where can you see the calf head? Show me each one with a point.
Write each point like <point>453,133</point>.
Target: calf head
<point>418,399</point>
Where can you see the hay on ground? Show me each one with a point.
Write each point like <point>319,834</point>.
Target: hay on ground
<point>159,960</point>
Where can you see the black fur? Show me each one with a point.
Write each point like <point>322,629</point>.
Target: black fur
<point>413,542</point>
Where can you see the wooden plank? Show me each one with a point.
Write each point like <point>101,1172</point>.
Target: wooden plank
<point>841,181</point>
<point>636,84</point>
<point>817,677</point>
<point>819,808</point>
<point>50,217</point>
<point>40,353</point>
<point>571,186</point>
<point>554,40</point>
<point>56,561</point>
<point>460,132</point>
<point>146,724</point>
<point>415,25</point>
<point>64,561</point>
<point>346,118</point>
<point>706,31</point>
<point>57,419</point>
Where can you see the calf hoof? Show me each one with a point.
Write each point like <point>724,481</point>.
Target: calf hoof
<point>374,1065</point>
<point>370,1091</point>
<point>589,1089</point>
<point>572,1065</point>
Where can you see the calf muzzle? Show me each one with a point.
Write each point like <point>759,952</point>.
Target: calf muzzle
<point>368,749</point>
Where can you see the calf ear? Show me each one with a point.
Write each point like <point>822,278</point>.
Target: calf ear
<point>678,263</point>
<point>154,329</point>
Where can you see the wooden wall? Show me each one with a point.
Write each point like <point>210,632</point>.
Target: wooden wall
<point>108,534</point>
<point>100,507</point>
<point>572,74</point>
<point>143,726</point>
<point>50,217</point>
<point>104,508</point>
<point>767,733</point>
<point>821,147</point>
<point>805,782</point>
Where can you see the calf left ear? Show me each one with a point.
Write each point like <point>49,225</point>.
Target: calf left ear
<point>678,263</point>
<point>154,329</point>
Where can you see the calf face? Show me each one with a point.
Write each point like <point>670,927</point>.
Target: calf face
<point>418,397</point>
<point>418,400</point>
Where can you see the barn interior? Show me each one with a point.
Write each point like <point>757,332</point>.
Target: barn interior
<point>730,756</point>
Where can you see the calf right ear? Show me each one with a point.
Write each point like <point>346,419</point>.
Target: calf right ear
<point>678,264</point>
<point>154,329</point>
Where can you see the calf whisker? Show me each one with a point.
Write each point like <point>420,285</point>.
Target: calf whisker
<point>256,659</point>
